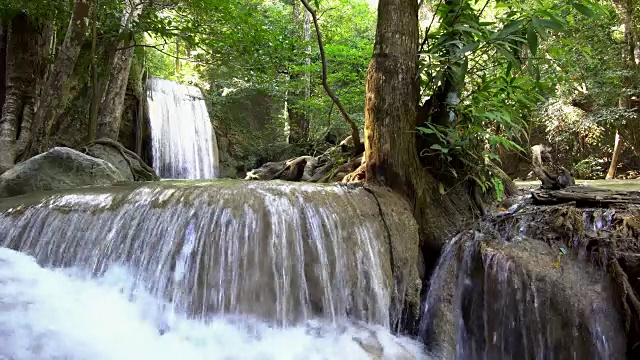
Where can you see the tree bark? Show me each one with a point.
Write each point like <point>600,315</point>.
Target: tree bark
<point>55,93</point>
<point>95,96</point>
<point>355,133</point>
<point>113,104</point>
<point>3,61</point>
<point>17,111</point>
<point>390,119</point>
<point>617,149</point>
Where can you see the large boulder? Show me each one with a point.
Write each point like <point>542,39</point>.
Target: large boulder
<point>58,168</point>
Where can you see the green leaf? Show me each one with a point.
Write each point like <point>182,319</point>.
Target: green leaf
<point>584,10</point>
<point>553,24</point>
<point>441,188</point>
<point>511,27</point>
<point>440,148</point>
<point>426,130</point>
<point>468,47</point>
<point>532,39</point>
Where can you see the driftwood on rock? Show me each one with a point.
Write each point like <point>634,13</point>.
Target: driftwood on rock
<point>551,175</point>
<point>585,196</point>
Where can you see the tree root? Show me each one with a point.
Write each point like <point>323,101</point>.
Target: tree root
<point>140,170</point>
<point>630,301</point>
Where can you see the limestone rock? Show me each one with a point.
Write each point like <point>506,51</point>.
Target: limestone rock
<point>58,168</point>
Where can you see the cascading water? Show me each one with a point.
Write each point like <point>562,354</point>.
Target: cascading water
<point>183,142</point>
<point>501,292</point>
<point>222,270</point>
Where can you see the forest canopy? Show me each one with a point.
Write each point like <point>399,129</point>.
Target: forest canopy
<point>494,77</point>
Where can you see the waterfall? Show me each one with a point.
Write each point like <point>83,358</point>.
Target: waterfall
<point>226,269</point>
<point>183,142</point>
<point>501,292</point>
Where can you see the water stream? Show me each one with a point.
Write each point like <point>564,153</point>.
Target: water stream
<point>183,142</point>
<point>197,270</point>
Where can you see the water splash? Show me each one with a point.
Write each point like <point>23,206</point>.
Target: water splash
<point>183,142</point>
<point>65,314</point>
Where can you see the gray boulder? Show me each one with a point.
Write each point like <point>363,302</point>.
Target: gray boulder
<point>58,168</point>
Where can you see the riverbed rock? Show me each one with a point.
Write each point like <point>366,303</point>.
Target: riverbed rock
<point>58,168</point>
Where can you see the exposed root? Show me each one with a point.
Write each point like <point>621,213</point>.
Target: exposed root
<point>630,302</point>
<point>140,170</point>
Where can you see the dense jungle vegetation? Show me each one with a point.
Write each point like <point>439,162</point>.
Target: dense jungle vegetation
<point>436,93</point>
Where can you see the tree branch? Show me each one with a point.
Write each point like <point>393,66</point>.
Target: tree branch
<point>428,28</point>
<point>355,133</point>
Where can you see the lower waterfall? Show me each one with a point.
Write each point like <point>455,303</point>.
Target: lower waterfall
<point>183,141</point>
<point>510,289</point>
<point>197,270</point>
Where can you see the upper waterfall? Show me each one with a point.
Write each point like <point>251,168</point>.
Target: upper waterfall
<point>183,141</point>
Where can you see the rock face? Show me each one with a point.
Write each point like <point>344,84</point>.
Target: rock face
<point>58,168</point>
<point>533,283</point>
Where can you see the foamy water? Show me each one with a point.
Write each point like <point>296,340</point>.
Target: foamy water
<point>63,314</point>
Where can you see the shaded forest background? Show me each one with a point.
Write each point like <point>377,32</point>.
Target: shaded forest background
<point>494,78</point>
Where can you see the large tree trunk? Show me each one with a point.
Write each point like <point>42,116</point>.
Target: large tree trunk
<point>55,92</point>
<point>390,119</point>
<point>17,111</point>
<point>113,104</point>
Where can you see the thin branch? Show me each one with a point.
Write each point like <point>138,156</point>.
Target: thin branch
<point>482,10</point>
<point>426,31</point>
<point>355,134</point>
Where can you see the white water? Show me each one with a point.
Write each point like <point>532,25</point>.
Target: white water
<point>184,144</point>
<point>61,314</point>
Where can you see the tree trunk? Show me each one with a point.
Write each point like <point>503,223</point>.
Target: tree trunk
<point>3,61</point>
<point>617,149</point>
<point>113,104</point>
<point>297,116</point>
<point>390,119</point>
<point>18,107</point>
<point>55,93</point>
<point>95,96</point>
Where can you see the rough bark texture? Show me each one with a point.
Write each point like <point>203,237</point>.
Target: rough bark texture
<point>55,93</point>
<point>17,111</point>
<point>113,103</point>
<point>390,119</point>
<point>3,61</point>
